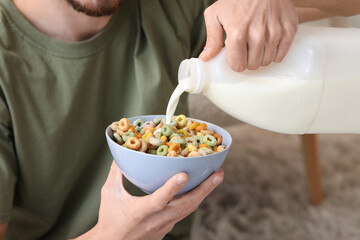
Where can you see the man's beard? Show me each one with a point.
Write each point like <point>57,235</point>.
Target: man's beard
<point>98,8</point>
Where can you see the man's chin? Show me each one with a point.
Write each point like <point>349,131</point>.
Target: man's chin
<point>101,9</point>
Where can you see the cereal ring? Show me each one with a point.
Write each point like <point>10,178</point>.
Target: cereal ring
<point>181,120</point>
<point>132,129</point>
<point>149,129</point>
<point>158,126</point>
<point>209,140</point>
<point>133,143</point>
<point>162,150</point>
<point>199,139</point>
<point>119,132</point>
<point>209,151</point>
<point>149,123</point>
<point>118,138</point>
<point>204,148</point>
<point>143,147</point>
<point>172,154</point>
<point>175,135</point>
<point>150,146</point>
<point>183,133</point>
<point>205,151</point>
<point>192,132</point>
<point>114,126</point>
<point>194,154</point>
<point>184,152</point>
<point>168,144</point>
<point>124,124</point>
<point>128,135</point>
<point>157,133</point>
<point>173,122</point>
<point>157,120</point>
<point>201,152</point>
<point>166,130</point>
<point>191,140</point>
<point>200,134</point>
<point>146,136</point>
<point>138,123</point>
<point>138,135</point>
<point>155,141</point>
<point>191,148</point>
<point>193,125</point>
<point>202,126</point>
<point>218,138</point>
<point>203,145</point>
<point>220,148</point>
<point>180,141</point>
<point>151,151</point>
<point>174,129</point>
<point>207,132</point>
<point>189,122</point>
<point>175,147</point>
<point>164,138</point>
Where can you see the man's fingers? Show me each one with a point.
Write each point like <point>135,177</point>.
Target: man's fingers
<point>181,207</point>
<point>170,213</point>
<point>271,45</point>
<point>255,47</point>
<point>161,197</point>
<point>269,54</point>
<point>285,42</point>
<point>205,188</point>
<point>215,36</point>
<point>236,50</point>
<point>282,49</point>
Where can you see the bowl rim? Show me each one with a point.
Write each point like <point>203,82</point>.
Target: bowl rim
<point>163,157</point>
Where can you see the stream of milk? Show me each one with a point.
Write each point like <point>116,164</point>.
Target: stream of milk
<point>174,100</point>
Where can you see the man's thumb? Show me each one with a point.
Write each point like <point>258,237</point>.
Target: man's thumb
<point>214,38</point>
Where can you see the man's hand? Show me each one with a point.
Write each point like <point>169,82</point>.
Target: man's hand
<point>122,216</point>
<point>258,32</point>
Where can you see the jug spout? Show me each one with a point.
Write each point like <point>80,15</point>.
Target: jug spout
<point>192,74</point>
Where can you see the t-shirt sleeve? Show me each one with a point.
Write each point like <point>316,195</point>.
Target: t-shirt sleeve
<point>187,19</point>
<point>8,166</point>
<point>193,13</point>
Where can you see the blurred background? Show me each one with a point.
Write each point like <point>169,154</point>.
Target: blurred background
<point>264,194</point>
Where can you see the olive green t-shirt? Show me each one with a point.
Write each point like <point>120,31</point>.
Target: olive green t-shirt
<point>57,98</point>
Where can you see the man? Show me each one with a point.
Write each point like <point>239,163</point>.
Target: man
<point>70,68</point>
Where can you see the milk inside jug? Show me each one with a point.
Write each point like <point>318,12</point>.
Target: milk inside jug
<point>315,89</point>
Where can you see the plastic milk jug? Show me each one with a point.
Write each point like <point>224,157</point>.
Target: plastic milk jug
<point>315,89</point>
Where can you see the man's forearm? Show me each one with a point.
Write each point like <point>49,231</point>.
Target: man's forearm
<point>311,14</point>
<point>92,234</point>
<point>335,7</point>
<point>3,227</point>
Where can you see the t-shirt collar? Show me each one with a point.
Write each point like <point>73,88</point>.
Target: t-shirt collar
<point>52,45</point>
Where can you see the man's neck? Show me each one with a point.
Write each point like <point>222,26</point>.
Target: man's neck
<point>57,19</point>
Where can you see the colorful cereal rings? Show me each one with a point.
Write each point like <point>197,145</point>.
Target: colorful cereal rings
<point>183,137</point>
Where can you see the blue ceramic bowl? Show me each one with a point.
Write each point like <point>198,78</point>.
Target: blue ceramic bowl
<point>149,172</point>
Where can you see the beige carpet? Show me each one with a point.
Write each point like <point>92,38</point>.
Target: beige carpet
<point>264,196</point>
